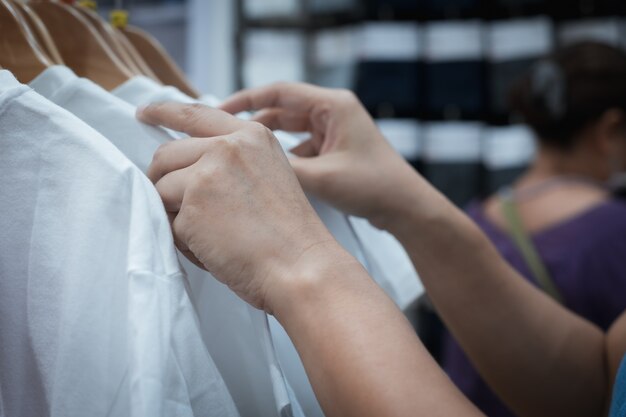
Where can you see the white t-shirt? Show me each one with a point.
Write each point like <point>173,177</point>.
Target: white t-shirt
<point>94,315</point>
<point>386,254</point>
<point>142,90</point>
<point>110,116</point>
<point>235,334</point>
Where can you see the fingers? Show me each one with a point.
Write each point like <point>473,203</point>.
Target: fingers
<point>305,169</point>
<point>176,155</point>
<point>318,174</point>
<point>180,244</point>
<point>192,119</point>
<point>172,187</point>
<point>253,99</point>
<point>296,96</point>
<point>274,118</point>
<point>306,149</point>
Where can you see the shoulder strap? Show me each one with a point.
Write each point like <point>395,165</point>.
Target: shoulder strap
<point>524,244</point>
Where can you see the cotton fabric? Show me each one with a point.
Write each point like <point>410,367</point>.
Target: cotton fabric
<point>94,314</point>
<point>230,334</point>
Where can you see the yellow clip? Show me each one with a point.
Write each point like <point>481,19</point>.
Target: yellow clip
<point>119,18</point>
<point>89,4</point>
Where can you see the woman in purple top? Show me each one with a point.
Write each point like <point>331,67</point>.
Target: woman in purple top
<point>575,101</point>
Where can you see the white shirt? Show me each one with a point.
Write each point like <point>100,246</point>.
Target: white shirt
<point>387,256</point>
<point>142,90</point>
<point>235,334</point>
<point>110,116</point>
<point>94,316</point>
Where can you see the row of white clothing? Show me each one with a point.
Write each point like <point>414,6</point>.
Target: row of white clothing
<point>99,315</point>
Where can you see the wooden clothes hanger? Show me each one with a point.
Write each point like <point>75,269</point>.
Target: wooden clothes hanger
<point>80,45</point>
<point>19,51</point>
<point>109,36</point>
<point>159,61</point>
<point>39,30</point>
<point>135,56</point>
<point>117,42</point>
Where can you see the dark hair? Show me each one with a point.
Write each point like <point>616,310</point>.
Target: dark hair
<point>570,90</point>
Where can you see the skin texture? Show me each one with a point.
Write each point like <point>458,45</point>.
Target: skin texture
<point>237,209</point>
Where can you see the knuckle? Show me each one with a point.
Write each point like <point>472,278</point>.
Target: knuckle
<point>220,142</point>
<point>180,225</point>
<point>345,95</point>
<point>229,146</point>
<point>232,153</point>
<point>162,190</point>
<point>186,228</point>
<point>280,84</point>
<point>221,150</point>
<point>202,179</point>
<point>259,131</point>
<point>193,113</point>
<point>200,185</point>
<point>257,128</point>
<point>160,155</point>
<point>193,109</point>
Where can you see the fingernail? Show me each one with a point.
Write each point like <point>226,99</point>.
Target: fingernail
<point>141,109</point>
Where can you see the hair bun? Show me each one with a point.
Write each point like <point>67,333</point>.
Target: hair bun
<point>548,89</point>
<point>571,89</point>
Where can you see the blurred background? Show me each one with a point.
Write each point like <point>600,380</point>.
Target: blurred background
<point>434,73</point>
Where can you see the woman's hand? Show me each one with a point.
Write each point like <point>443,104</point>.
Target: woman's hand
<point>346,162</point>
<point>235,204</point>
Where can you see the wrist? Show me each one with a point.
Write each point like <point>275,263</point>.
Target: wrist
<point>409,200</point>
<point>429,221</point>
<point>325,271</point>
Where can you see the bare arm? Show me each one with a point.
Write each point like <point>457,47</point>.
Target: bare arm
<point>237,210</point>
<point>540,358</point>
<point>360,353</point>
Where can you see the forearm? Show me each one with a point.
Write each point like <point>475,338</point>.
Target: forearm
<point>540,358</point>
<point>361,355</point>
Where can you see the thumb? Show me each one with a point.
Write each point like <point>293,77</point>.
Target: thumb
<point>309,172</point>
<point>310,147</point>
<point>305,149</point>
<point>319,174</point>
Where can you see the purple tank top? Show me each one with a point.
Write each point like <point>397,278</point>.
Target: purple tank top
<point>585,257</point>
